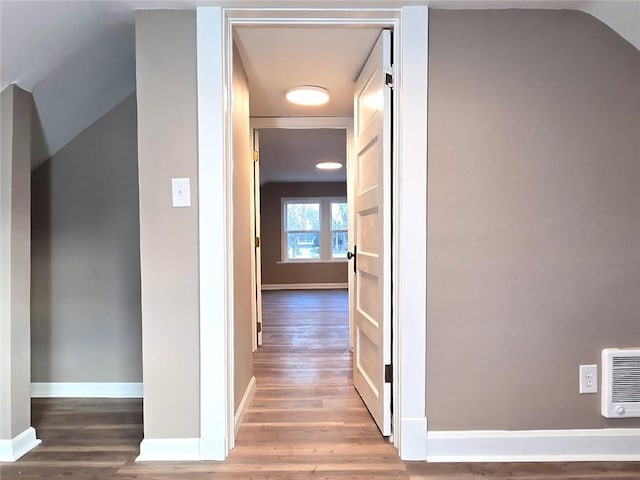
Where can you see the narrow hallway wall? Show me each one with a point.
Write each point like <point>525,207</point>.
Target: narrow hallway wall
<point>85,302</point>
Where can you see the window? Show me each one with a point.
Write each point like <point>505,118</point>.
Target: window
<point>339,225</point>
<point>302,230</point>
<point>314,230</point>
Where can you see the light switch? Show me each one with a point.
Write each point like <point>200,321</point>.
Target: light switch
<point>181,191</point>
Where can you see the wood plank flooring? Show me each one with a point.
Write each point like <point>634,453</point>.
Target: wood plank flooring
<point>305,397</point>
<point>304,422</point>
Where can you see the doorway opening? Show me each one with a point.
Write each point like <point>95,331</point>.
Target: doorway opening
<point>216,28</point>
<point>310,249</point>
<point>313,226</point>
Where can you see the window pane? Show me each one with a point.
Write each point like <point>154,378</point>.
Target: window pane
<point>339,245</point>
<point>339,220</point>
<point>303,216</point>
<point>303,245</point>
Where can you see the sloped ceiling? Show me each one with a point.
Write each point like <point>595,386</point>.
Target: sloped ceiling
<point>78,57</point>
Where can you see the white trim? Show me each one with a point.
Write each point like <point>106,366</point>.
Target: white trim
<point>12,450</point>
<point>216,351</point>
<point>86,390</point>
<point>410,236</point>
<point>244,403</point>
<point>414,438</point>
<point>607,444</point>
<point>305,286</point>
<point>169,450</point>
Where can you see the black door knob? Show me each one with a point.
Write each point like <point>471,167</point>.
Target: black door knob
<point>353,255</point>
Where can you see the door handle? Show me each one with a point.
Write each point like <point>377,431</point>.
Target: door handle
<point>353,255</point>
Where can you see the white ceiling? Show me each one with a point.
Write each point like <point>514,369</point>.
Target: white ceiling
<point>290,155</point>
<point>277,58</point>
<point>78,57</point>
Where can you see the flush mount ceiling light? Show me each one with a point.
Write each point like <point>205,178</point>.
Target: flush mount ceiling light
<point>308,95</point>
<point>328,165</point>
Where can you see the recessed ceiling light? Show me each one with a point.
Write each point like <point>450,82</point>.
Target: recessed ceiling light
<point>308,95</point>
<point>328,165</point>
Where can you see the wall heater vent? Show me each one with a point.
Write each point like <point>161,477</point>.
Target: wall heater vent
<point>621,382</point>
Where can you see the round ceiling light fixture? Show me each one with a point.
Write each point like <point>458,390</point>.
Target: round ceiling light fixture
<point>328,165</point>
<point>310,95</point>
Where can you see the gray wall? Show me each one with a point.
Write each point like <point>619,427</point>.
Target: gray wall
<point>533,224</point>
<point>15,187</point>
<point>271,195</point>
<point>167,147</point>
<point>85,302</point>
<point>243,232</point>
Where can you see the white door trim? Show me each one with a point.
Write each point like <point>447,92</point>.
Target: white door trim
<point>410,235</point>
<point>215,228</point>
<point>214,45</point>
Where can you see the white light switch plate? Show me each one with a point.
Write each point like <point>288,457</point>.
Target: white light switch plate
<point>181,192</point>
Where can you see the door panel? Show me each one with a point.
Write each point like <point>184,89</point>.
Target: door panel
<point>372,183</point>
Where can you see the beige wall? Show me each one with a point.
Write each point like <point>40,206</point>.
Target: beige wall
<point>242,231</point>
<point>533,224</point>
<point>15,222</point>
<point>273,272</point>
<point>85,302</point>
<point>167,147</point>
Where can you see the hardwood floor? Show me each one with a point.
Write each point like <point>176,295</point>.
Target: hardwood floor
<point>306,417</point>
<point>305,421</point>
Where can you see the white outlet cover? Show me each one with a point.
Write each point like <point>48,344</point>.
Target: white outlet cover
<point>181,192</point>
<point>588,379</point>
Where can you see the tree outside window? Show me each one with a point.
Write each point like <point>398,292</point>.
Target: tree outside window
<point>339,225</point>
<point>302,230</point>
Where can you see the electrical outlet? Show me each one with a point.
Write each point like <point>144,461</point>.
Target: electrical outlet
<point>588,379</point>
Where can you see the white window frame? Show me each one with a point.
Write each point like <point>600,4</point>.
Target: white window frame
<point>325,229</point>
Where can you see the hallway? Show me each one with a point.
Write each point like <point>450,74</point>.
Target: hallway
<point>306,415</point>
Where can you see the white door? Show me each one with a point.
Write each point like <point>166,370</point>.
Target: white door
<point>258,245</point>
<point>372,202</point>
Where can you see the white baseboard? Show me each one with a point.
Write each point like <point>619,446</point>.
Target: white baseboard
<point>304,286</point>
<point>244,403</point>
<point>12,450</point>
<point>607,444</point>
<point>86,390</point>
<point>413,440</point>
<point>169,450</point>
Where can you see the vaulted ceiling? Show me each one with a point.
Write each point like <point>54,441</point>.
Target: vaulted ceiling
<point>78,57</point>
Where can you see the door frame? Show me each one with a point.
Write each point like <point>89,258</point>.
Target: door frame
<point>409,199</point>
<point>307,123</point>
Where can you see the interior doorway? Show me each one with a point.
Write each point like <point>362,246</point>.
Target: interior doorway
<point>215,30</point>
<point>305,223</point>
<point>312,232</point>
<point>286,151</point>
